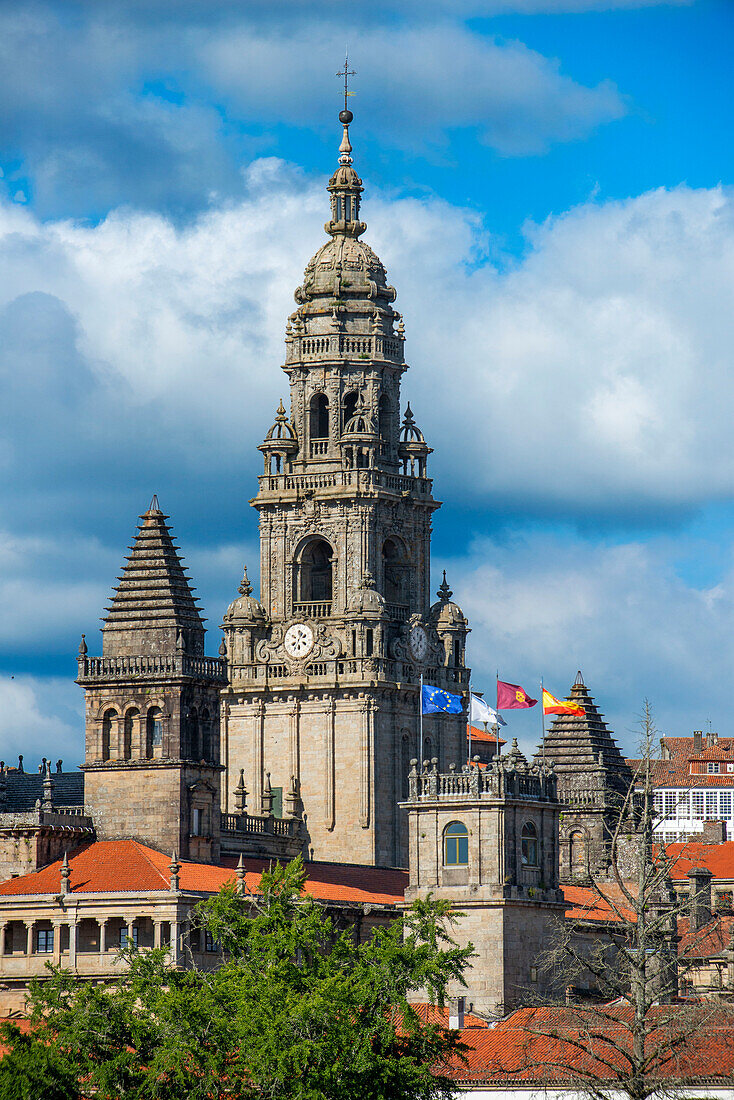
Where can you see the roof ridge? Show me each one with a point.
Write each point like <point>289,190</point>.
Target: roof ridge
<point>144,851</point>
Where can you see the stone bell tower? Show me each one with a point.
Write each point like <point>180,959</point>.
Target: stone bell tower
<point>325,667</point>
<point>151,769</point>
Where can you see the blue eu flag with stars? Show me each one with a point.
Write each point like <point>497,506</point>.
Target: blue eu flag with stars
<point>437,701</point>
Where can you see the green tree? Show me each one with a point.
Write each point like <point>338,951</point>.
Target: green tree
<point>31,1069</point>
<point>297,1008</point>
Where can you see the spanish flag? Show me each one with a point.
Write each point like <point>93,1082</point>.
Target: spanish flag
<point>551,705</point>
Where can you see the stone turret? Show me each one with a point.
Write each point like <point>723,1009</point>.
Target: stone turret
<point>486,840</point>
<point>593,783</point>
<point>152,706</point>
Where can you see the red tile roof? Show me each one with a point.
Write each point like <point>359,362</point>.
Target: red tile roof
<point>528,1047</point>
<point>677,773</point>
<point>432,1014</point>
<point>718,858</point>
<point>485,736</point>
<point>585,903</point>
<point>712,939</point>
<point>120,866</point>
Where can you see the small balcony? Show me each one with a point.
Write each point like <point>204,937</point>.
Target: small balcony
<point>319,447</point>
<point>313,609</point>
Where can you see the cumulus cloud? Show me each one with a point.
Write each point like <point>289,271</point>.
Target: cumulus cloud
<point>159,108</point>
<point>545,606</point>
<point>41,718</point>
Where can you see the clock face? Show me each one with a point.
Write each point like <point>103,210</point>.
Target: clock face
<point>418,643</point>
<point>298,640</point>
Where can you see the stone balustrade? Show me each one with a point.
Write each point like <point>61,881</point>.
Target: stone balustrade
<point>505,778</point>
<point>93,669</point>
<point>352,670</point>
<point>345,479</point>
<point>338,345</point>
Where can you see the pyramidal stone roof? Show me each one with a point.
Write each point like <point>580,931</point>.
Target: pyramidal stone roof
<point>153,609</point>
<point>585,745</point>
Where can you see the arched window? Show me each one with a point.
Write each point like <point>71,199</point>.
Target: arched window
<point>313,573</point>
<point>577,853</point>
<point>457,653</point>
<point>456,845</point>
<point>349,408</point>
<point>131,717</point>
<point>153,731</point>
<point>193,734</point>
<point>108,719</point>
<point>319,420</point>
<point>529,845</point>
<point>206,736</point>
<point>385,424</point>
<point>395,570</point>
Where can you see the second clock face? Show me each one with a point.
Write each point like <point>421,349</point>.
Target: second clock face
<point>298,640</point>
<point>418,643</point>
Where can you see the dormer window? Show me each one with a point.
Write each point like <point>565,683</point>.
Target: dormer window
<point>713,767</point>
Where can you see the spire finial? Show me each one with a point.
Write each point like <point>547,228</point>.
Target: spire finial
<point>346,116</point>
<point>245,588</point>
<point>444,592</point>
<point>154,507</point>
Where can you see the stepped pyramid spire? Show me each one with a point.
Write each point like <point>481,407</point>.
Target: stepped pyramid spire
<point>153,609</point>
<point>586,744</point>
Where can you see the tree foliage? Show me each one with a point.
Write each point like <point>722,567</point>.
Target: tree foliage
<point>31,1069</point>
<point>297,1008</point>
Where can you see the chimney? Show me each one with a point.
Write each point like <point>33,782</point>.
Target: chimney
<point>714,832</point>
<point>456,1013</point>
<point>664,750</point>
<point>699,897</point>
<point>698,740</point>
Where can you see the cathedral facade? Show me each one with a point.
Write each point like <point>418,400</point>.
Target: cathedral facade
<point>324,670</point>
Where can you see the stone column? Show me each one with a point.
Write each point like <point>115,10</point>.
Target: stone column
<point>157,933</point>
<point>29,937</point>
<point>293,731</point>
<point>365,752</point>
<point>175,944</point>
<point>3,926</point>
<point>102,936</point>
<point>329,812</point>
<point>56,925</point>
<point>72,942</point>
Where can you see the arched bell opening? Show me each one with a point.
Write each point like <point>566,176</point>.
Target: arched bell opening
<point>313,579</point>
<point>318,424</point>
<point>396,573</point>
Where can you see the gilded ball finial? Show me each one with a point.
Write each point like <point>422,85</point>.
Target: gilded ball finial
<point>345,117</point>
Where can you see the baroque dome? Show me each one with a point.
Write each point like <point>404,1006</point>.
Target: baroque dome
<point>245,608</point>
<point>445,612</point>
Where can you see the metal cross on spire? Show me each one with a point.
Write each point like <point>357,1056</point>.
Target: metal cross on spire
<point>346,73</point>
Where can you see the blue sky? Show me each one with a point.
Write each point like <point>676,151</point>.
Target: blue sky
<point>549,185</point>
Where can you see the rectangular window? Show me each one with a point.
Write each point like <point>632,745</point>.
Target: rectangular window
<point>45,941</point>
<point>681,804</point>
<point>712,768</point>
<point>670,800</point>
<point>725,805</point>
<point>657,801</point>
<point>712,804</point>
<point>210,944</point>
<point>126,934</point>
<point>697,804</point>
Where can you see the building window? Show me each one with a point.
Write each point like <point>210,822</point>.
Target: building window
<point>313,573</point>
<point>577,853</point>
<point>529,845</point>
<point>196,821</point>
<point>153,731</point>
<point>456,845</point>
<point>657,801</point>
<point>45,941</point>
<point>712,804</point>
<point>128,934</point>
<point>697,805</point>
<point>713,767</point>
<point>725,805</point>
<point>107,721</point>
<point>396,573</point>
<point>369,642</point>
<point>210,944</point>
<point>319,418</point>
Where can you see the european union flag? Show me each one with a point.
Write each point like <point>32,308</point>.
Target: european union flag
<point>438,701</point>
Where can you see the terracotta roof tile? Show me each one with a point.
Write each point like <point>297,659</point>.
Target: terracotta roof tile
<point>718,858</point>
<point>483,736</point>
<point>120,866</point>
<point>585,903</point>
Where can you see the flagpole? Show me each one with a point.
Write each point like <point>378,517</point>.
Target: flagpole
<point>542,719</point>
<point>497,724</point>
<point>470,722</point>
<point>420,705</point>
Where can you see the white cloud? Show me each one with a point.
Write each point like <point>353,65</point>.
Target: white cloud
<point>542,606</point>
<point>41,718</point>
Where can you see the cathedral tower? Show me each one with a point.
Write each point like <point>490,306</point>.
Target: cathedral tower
<point>152,768</point>
<point>325,667</point>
